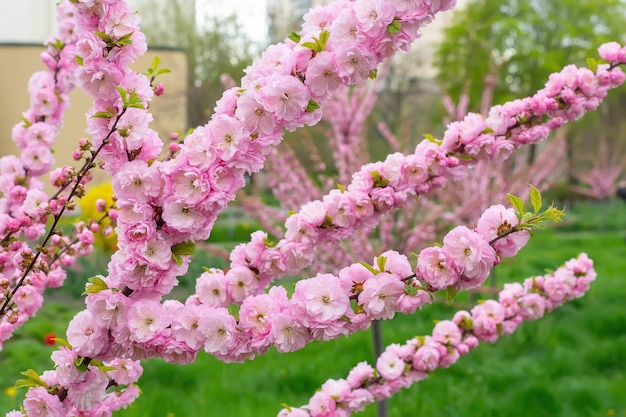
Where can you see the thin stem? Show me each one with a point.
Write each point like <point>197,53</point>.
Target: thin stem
<point>81,174</point>
<point>377,339</point>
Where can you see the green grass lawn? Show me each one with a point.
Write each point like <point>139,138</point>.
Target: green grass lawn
<point>570,363</point>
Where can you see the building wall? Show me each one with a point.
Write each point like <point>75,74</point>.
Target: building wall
<point>169,110</point>
<point>27,21</point>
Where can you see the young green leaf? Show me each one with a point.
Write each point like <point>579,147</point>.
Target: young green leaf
<point>381,261</point>
<point>312,106</point>
<point>451,292</point>
<point>394,27</point>
<point>32,380</point>
<point>95,285</point>
<point>535,199</point>
<point>294,36</point>
<point>517,204</point>
<point>184,248</point>
<point>410,290</point>
<point>369,267</point>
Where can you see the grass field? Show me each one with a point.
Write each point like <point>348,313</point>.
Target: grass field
<point>570,363</point>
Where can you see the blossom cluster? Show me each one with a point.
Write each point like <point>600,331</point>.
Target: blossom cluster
<point>90,387</point>
<point>24,206</point>
<point>164,205</point>
<point>400,366</point>
<point>377,188</point>
<point>322,307</point>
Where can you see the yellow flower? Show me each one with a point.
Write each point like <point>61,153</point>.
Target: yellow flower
<point>87,206</point>
<point>10,392</point>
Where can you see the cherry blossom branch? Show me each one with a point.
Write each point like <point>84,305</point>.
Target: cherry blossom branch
<point>400,366</point>
<point>381,187</point>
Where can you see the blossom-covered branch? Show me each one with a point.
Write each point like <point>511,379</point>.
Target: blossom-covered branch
<point>400,366</point>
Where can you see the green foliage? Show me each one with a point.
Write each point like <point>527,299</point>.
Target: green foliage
<point>95,285</point>
<point>183,249</point>
<point>522,42</point>
<point>318,44</point>
<point>32,380</point>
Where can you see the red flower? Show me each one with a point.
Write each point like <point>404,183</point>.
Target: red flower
<point>49,339</point>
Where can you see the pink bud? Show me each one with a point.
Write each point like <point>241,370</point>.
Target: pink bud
<point>173,147</point>
<point>113,214</point>
<point>159,89</point>
<point>77,154</point>
<point>174,136</point>
<point>101,205</point>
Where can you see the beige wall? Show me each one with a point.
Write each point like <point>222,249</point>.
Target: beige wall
<point>19,62</point>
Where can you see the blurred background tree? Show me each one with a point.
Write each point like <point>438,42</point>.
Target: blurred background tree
<point>520,42</point>
<point>213,46</point>
<point>516,44</point>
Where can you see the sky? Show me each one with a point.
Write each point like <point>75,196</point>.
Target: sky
<point>252,14</point>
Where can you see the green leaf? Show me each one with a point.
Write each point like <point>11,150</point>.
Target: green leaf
<point>95,285</point>
<point>432,139</point>
<point>465,157</point>
<point>82,363</point>
<point>592,64</point>
<point>381,261</point>
<point>341,188</point>
<point>79,60</point>
<point>27,123</point>
<point>102,115</point>
<point>294,36</point>
<point>32,380</point>
<point>410,290</point>
<point>554,214</point>
<point>182,249</point>
<point>26,383</point>
<point>373,74</point>
<point>369,267</point>
<point>311,45</point>
<point>125,39</point>
<point>451,292</point>
<point>517,204</point>
<point>312,106</point>
<point>62,342</point>
<point>535,198</point>
<point>324,35</point>
<point>187,248</point>
<point>379,182</point>
<point>394,27</point>
<point>123,94</point>
<point>155,63</point>
<point>105,37</point>
<point>163,71</point>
